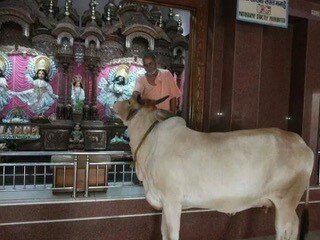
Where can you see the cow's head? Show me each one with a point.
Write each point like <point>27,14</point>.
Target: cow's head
<point>127,109</point>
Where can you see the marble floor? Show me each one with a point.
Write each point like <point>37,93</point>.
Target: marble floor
<point>311,236</point>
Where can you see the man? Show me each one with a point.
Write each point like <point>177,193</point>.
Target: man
<point>157,83</point>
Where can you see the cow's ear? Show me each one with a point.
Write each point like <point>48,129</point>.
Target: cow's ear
<point>136,96</point>
<point>140,100</point>
<point>162,115</point>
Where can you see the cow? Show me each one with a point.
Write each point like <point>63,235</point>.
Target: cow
<point>181,168</point>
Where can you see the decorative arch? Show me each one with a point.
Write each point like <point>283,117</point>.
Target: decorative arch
<point>134,35</point>
<point>65,35</point>
<point>176,49</point>
<point>141,29</point>
<point>92,38</point>
<point>25,26</point>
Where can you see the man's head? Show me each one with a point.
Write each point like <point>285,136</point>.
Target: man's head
<point>149,63</point>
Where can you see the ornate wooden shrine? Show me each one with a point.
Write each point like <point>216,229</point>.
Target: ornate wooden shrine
<point>88,62</point>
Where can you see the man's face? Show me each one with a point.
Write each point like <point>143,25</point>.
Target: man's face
<point>149,65</point>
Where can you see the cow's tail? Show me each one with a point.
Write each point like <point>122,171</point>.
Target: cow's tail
<point>304,225</point>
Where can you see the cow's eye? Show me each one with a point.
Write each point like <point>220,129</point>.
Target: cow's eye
<point>129,102</point>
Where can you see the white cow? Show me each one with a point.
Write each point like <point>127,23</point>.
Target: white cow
<point>228,172</point>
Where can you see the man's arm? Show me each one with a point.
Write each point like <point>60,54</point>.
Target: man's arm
<point>138,87</point>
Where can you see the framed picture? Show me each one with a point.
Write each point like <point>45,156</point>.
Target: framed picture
<point>118,139</point>
<point>26,130</point>
<point>9,130</point>
<point>35,130</point>
<point>272,13</point>
<point>17,130</point>
<point>2,128</point>
<point>95,139</point>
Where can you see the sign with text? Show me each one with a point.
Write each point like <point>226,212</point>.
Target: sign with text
<point>268,12</point>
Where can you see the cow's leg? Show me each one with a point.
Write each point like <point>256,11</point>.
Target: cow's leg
<point>171,214</point>
<point>164,228</point>
<point>287,223</point>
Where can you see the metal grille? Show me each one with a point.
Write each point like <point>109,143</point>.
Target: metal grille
<point>43,175</point>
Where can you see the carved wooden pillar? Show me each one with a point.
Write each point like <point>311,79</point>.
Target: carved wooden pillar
<point>63,95</point>
<point>178,69</point>
<point>87,85</point>
<point>68,84</point>
<point>179,79</point>
<point>65,62</point>
<point>60,83</point>
<point>95,73</point>
<point>63,85</point>
<point>60,91</point>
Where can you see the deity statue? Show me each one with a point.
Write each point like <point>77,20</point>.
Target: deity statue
<point>17,130</point>
<point>65,42</point>
<point>35,130</point>
<point>26,130</point>
<point>117,87</point>
<point>41,97</point>
<point>4,91</point>
<point>77,94</point>
<point>68,112</point>
<point>76,139</point>
<point>86,112</point>
<point>5,73</point>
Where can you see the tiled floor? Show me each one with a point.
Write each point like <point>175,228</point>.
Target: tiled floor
<point>311,236</point>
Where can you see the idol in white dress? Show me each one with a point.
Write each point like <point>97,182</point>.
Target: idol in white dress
<point>77,97</point>
<point>4,92</point>
<point>41,97</point>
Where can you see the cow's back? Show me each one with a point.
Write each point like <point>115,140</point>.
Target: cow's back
<point>238,165</point>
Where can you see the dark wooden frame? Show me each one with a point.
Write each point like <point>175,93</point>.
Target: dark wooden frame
<point>197,54</point>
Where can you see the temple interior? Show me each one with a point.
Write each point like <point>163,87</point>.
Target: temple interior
<point>66,166</point>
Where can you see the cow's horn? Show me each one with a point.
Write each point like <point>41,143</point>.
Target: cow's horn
<point>140,100</point>
<point>161,100</point>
